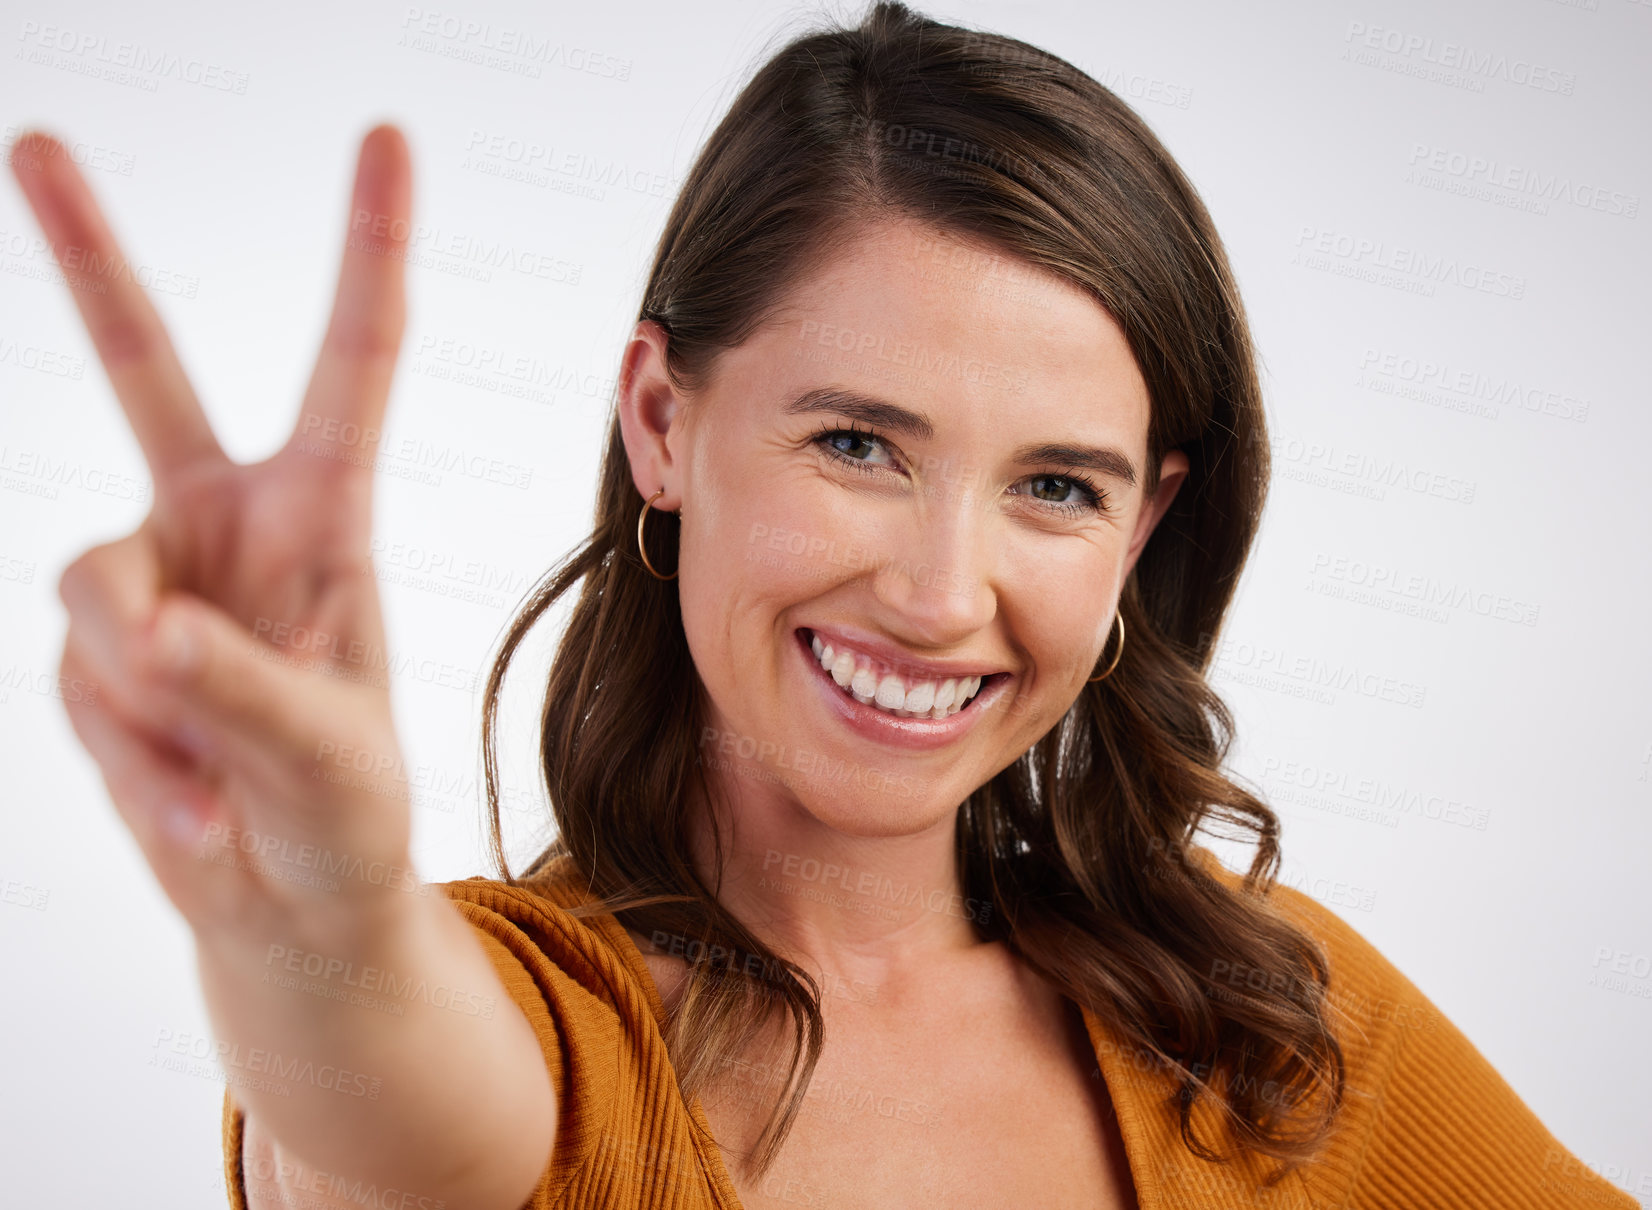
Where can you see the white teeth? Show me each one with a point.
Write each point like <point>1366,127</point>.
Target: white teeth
<point>946,693</point>
<point>891,693</point>
<point>926,699</point>
<point>921,698</point>
<point>843,669</point>
<point>864,683</point>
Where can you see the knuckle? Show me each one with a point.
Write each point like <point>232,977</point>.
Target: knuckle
<point>71,583</point>
<point>358,340</point>
<point>69,664</point>
<point>84,572</point>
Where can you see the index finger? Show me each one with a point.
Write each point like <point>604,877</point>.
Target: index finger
<point>136,352</point>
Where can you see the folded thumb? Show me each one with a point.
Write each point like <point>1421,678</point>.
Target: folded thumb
<point>243,684</point>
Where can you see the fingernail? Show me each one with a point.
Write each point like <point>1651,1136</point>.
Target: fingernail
<point>176,649</point>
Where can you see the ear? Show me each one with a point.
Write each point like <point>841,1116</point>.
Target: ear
<point>1171,474</point>
<point>650,415</point>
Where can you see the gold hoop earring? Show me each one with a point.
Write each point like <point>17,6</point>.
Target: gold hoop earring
<point>1120,617</point>
<point>641,518</point>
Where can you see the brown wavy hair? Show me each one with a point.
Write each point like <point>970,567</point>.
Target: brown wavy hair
<point>1080,846</point>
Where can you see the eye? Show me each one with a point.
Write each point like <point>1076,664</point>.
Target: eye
<point>1090,498</point>
<point>833,441</point>
<point>1075,494</point>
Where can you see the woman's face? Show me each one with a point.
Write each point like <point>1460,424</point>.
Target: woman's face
<point>875,470</point>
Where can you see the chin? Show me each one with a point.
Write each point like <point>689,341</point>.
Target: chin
<point>870,816</point>
<point>884,803</point>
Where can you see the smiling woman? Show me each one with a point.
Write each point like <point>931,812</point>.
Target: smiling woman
<point>943,386</point>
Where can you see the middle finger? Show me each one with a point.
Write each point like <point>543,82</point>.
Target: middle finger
<point>350,386</point>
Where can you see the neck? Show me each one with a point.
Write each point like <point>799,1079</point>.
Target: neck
<point>874,909</point>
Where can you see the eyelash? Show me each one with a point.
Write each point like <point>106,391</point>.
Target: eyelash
<point>1095,497</point>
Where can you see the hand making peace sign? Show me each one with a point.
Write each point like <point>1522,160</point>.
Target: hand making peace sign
<point>260,743</point>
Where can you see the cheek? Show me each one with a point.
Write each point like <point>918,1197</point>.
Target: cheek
<point>790,546</point>
<point>740,583</point>
<point>1058,591</point>
<point>1059,608</point>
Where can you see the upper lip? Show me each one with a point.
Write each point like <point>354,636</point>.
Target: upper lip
<point>904,663</point>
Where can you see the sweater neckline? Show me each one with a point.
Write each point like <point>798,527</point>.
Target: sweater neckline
<point>710,1152</point>
<point>1127,1090</point>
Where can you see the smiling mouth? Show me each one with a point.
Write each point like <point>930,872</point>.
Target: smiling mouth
<point>879,688</point>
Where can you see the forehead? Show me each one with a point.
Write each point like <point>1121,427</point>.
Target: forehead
<point>940,321</point>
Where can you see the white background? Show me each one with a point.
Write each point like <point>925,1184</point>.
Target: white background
<point>1492,840</point>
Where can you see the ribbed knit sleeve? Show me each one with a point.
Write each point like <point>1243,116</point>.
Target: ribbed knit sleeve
<point>523,990</point>
<point>546,994</point>
<point>1429,1122</point>
<point>624,1137</point>
<point>579,1055</point>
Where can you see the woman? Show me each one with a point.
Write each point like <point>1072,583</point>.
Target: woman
<point>877,741</point>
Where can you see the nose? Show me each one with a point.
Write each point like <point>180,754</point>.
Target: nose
<point>940,571</point>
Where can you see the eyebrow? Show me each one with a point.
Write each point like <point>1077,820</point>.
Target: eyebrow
<point>1104,460</point>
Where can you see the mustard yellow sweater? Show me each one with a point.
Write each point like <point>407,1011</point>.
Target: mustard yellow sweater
<point>1427,1124</point>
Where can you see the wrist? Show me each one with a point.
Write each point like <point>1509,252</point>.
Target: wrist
<point>358,922</point>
